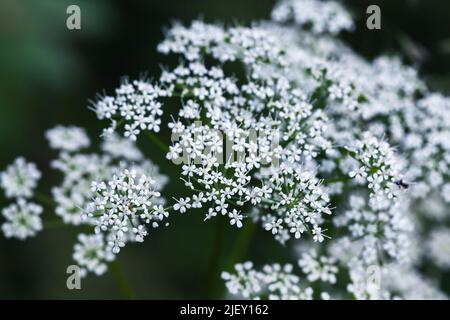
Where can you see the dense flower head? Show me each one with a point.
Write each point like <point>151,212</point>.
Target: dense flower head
<point>91,254</point>
<point>78,172</point>
<point>121,148</point>
<point>22,220</point>
<point>376,229</point>
<point>124,206</point>
<point>254,46</point>
<point>20,179</point>
<point>80,169</point>
<point>379,167</point>
<point>318,16</point>
<point>74,197</point>
<point>274,282</point>
<point>387,189</point>
<point>67,139</point>
<point>261,154</point>
<point>391,281</point>
<point>134,107</point>
<point>438,246</point>
<point>280,124</point>
<point>318,267</point>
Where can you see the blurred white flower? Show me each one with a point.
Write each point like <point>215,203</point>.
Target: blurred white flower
<point>91,254</point>
<point>20,179</point>
<point>68,139</point>
<point>22,220</point>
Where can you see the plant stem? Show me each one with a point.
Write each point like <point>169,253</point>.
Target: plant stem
<point>121,281</point>
<point>214,267</point>
<point>237,254</point>
<point>158,142</point>
<point>241,245</point>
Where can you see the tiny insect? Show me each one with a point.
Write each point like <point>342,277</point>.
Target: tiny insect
<point>401,184</point>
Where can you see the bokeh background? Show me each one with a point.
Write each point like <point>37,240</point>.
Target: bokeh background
<point>48,73</point>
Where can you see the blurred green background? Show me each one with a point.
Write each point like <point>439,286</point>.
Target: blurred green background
<point>48,73</point>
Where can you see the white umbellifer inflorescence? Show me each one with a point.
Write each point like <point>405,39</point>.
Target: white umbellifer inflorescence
<point>275,282</point>
<point>280,124</point>
<point>22,220</point>
<point>92,254</point>
<point>134,107</point>
<point>20,179</point>
<point>124,206</point>
<point>68,139</point>
<point>438,246</point>
<point>319,16</point>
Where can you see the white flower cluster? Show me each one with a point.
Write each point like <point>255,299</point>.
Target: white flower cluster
<point>317,267</point>
<point>385,225</point>
<point>78,171</point>
<point>255,47</point>
<point>259,140</point>
<point>274,282</point>
<point>89,205</point>
<point>269,128</point>
<point>439,247</point>
<point>20,179</point>
<point>409,284</point>
<point>68,139</point>
<point>22,220</point>
<point>73,196</point>
<point>118,148</point>
<point>376,227</point>
<point>135,107</point>
<point>226,107</point>
<point>92,254</point>
<point>392,281</point>
<point>281,122</point>
<point>124,206</point>
<point>318,16</point>
<point>22,217</point>
<point>379,166</point>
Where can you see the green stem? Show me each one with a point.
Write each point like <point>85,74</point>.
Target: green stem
<point>214,267</point>
<point>158,142</point>
<point>241,245</point>
<point>121,281</point>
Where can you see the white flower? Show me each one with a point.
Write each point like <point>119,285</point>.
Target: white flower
<point>323,16</point>
<point>135,104</point>
<point>22,220</point>
<point>91,254</point>
<point>318,267</point>
<point>274,225</point>
<point>121,148</point>
<point>276,281</point>
<point>67,138</point>
<point>236,218</point>
<point>182,205</point>
<point>123,205</point>
<point>318,234</point>
<point>20,179</point>
<point>438,246</point>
